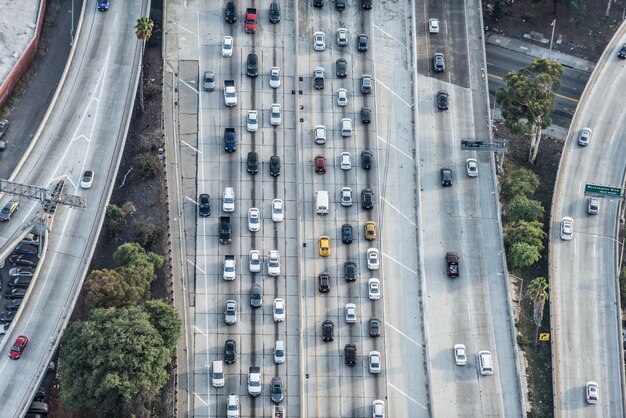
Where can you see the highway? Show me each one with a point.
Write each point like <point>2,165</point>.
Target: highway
<point>586,332</point>
<point>81,131</point>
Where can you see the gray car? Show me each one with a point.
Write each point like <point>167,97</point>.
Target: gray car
<point>230,314</point>
<point>208,81</point>
<point>256,296</point>
<point>276,391</point>
<point>8,210</point>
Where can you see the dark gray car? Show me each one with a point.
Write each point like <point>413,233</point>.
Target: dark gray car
<point>208,81</point>
<point>8,210</point>
<point>256,296</point>
<point>276,391</point>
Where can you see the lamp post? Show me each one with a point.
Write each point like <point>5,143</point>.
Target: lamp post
<point>553,24</point>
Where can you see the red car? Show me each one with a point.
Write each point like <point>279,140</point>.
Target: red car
<point>18,347</point>
<point>320,164</point>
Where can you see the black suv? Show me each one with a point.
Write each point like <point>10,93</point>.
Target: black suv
<point>349,270</point>
<point>366,115</point>
<point>366,4</point>
<point>362,42</point>
<point>275,165</point>
<point>366,159</point>
<point>274,12</point>
<point>318,3</point>
<point>622,52</point>
<point>346,233</point>
<point>340,4</point>
<point>350,351</point>
<point>367,198</point>
<point>324,279</point>
<point>442,100</point>
<point>328,330</point>
<point>253,162</point>
<point>252,65</point>
<point>341,65</point>
<point>204,205</point>
<point>446,177</point>
<point>231,13</point>
<point>230,351</point>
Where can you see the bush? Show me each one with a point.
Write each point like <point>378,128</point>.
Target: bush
<point>521,208</point>
<point>147,166</point>
<point>146,233</point>
<point>519,182</point>
<point>116,220</point>
<point>498,10</point>
<point>527,17</point>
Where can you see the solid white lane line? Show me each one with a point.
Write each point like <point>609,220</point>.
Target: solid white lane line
<point>398,210</point>
<point>407,396</point>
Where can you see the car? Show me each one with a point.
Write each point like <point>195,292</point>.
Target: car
<point>208,81</point>
<point>275,114</point>
<point>7,317</point>
<point>232,406</point>
<point>374,327</point>
<point>22,260</point>
<point>8,210</point>
<point>460,358</point>
<point>350,270</point>
<point>274,12</point>
<point>273,263</point>
<point>18,347</point>
<point>278,212</point>
<point>350,313</point>
<point>622,52</point>
<point>24,250</point>
<point>367,198</point>
<point>472,167</point>
<point>367,84</point>
<point>256,296</point>
<point>328,330</point>
<point>372,259</point>
<point>21,282</point>
<point>324,282</point>
<point>279,352</point>
<point>433,25</point>
<point>279,310</point>
<point>593,206</point>
<point>346,127</point>
<point>378,409</point>
<point>369,230</point>
<point>342,97</point>
<point>103,5</point>
<point>274,77</point>
<point>252,121</point>
<point>255,261</point>
<point>276,390</point>
<point>217,374</point>
<point>584,136</point>
<point>254,219</point>
<point>3,329</point>
<point>485,363</point>
<point>15,293</point>
<point>591,392</point>
<point>374,362</point>
<point>228,200</point>
<point>319,41</point>
<point>252,162</point>
<point>86,181</point>
<point>230,264</point>
<point>446,176</point>
<point>252,65</point>
<point>373,288</point>
<point>439,63</point>
<point>346,161</point>
<point>324,245</point>
<point>366,115</point>
<point>227,46</point>
<point>340,5</point>
<point>346,196</point>
<point>320,164</point>
<point>341,67</point>
<point>319,134</point>
<point>318,3</point>
<point>14,305</point>
<point>366,4</point>
<point>362,42</point>
<point>567,228</point>
<point>342,37</point>
<point>230,351</point>
<point>366,159</point>
<point>350,354</point>
<point>230,14</point>
<point>230,314</point>
<point>275,165</point>
<point>204,205</point>
<point>255,381</point>
<point>21,272</point>
<point>443,99</point>
<point>346,233</point>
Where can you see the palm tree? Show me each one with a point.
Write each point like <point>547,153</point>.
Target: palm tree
<point>143,30</point>
<point>538,290</point>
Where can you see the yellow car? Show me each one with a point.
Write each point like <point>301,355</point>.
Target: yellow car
<point>324,246</point>
<point>370,230</point>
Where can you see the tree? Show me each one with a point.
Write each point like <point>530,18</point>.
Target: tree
<point>165,319</point>
<point>116,219</point>
<point>110,359</point>
<point>522,254</point>
<point>133,255</point>
<point>521,181</point>
<point>538,291</point>
<point>143,30</point>
<point>529,99</point>
<point>528,232</point>
<point>116,288</point>
<point>521,208</point>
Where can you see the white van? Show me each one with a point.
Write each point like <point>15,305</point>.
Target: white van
<point>229,200</point>
<point>346,127</point>
<point>485,363</point>
<point>321,202</point>
<point>217,374</point>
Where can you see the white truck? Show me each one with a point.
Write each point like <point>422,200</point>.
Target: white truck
<point>321,202</point>
<point>230,93</point>
<point>278,411</point>
<point>229,267</point>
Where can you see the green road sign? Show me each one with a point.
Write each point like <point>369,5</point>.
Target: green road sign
<point>603,190</point>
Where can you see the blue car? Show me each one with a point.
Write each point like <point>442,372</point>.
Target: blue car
<point>103,5</point>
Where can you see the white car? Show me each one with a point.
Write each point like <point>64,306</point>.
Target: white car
<point>567,228</point>
<point>584,136</point>
<point>279,352</point>
<point>252,121</point>
<point>278,212</point>
<point>346,161</point>
<point>229,267</point>
<point>373,286</point>
<point>460,358</point>
<point>232,406</point>
<point>273,263</point>
<point>346,196</point>
<point>255,384</point>
<point>350,313</point>
<point>378,409</point>
<point>593,206</point>
<point>230,314</point>
<point>319,41</point>
<point>342,97</point>
<point>279,310</point>
<point>254,220</point>
<point>433,25</point>
<point>591,392</point>
<point>374,362</point>
<point>275,114</point>
<point>319,133</point>
<point>342,37</point>
<point>86,181</point>
<point>227,46</point>
<point>372,259</point>
<point>274,77</point>
<point>255,261</point>
<point>228,204</point>
<point>472,167</point>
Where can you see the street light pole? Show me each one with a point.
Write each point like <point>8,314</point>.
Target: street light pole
<point>553,24</point>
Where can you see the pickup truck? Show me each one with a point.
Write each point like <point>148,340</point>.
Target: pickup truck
<point>318,78</point>
<point>452,260</point>
<point>250,23</point>
<point>230,93</point>
<point>230,143</point>
<point>229,267</point>
<point>224,229</point>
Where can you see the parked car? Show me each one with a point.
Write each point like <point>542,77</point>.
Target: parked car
<point>21,272</point>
